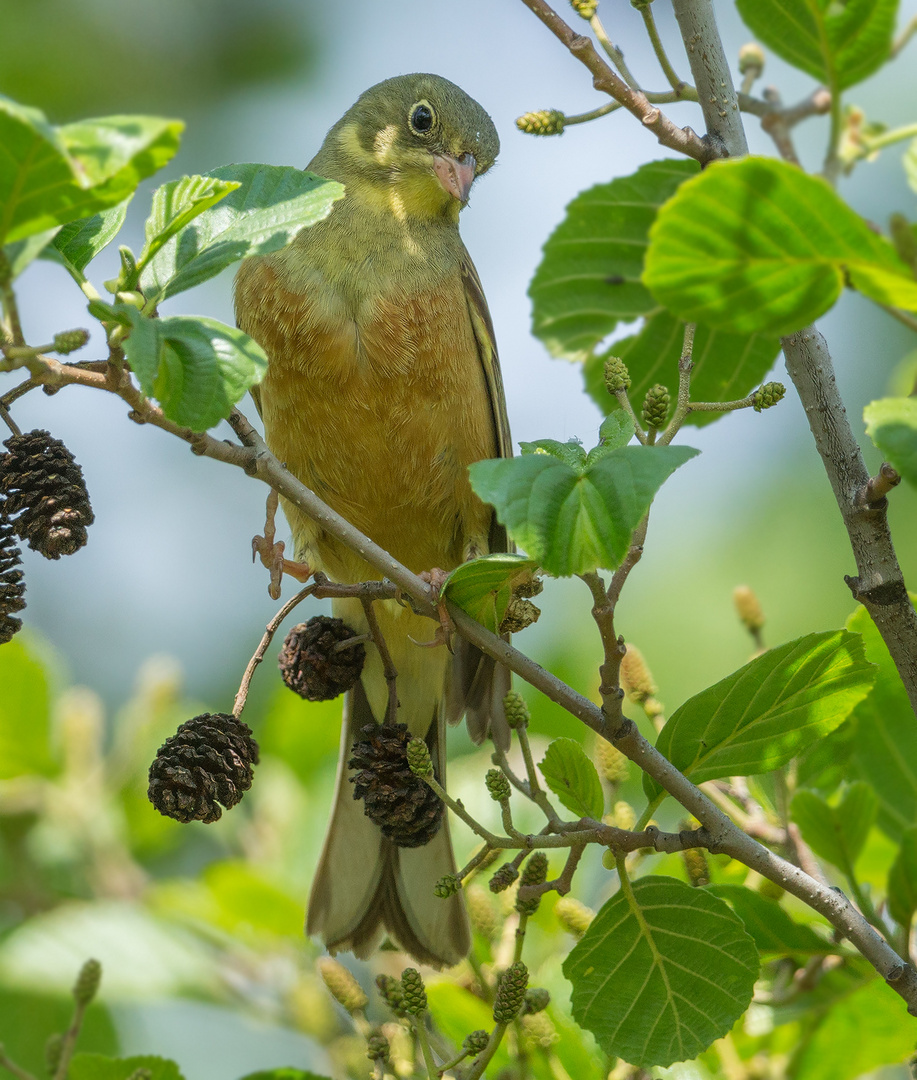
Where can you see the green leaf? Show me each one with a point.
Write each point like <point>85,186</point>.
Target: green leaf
<point>99,1067</point>
<point>483,587</point>
<point>838,44</point>
<point>617,429</point>
<point>571,451</point>
<point>859,1033</point>
<point>891,423</point>
<point>589,276</point>
<point>885,745</point>
<point>78,242</point>
<point>902,880</point>
<point>244,899</point>
<point>768,711</point>
<point>727,366</point>
<point>570,520</point>
<point>269,207</point>
<point>50,176</point>
<point>661,974</point>
<point>573,778</point>
<point>757,246</point>
<point>176,205</point>
<point>25,720</point>
<point>22,252</point>
<point>196,368</point>
<point>773,930</point>
<point>836,833</point>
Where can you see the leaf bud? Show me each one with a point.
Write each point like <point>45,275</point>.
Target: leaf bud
<point>541,122</point>
<point>68,341</point>
<point>447,886</point>
<point>497,785</point>
<point>342,986</point>
<point>617,377</point>
<point>510,994</point>
<point>87,982</point>
<point>573,915</point>
<point>517,712</point>
<point>503,878</point>
<point>748,608</point>
<point>132,298</point>
<point>768,395</point>
<point>696,867</point>
<point>535,872</point>
<point>419,761</point>
<point>656,406</point>
<point>537,1000</point>
<point>751,59</point>
<point>584,8</point>
<point>476,1042</point>
<point>415,996</point>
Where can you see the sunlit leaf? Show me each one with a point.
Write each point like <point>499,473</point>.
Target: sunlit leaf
<point>573,778</point>
<point>891,423</point>
<point>483,587</point>
<point>196,368</point>
<point>836,833</point>
<point>774,931</point>
<point>659,976</point>
<point>768,711</point>
<point>757,246</point>
<point>838,44</point>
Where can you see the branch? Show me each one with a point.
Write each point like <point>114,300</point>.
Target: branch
<point>684,140</point>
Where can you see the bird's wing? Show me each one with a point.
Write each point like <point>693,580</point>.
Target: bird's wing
<point>477,685</point>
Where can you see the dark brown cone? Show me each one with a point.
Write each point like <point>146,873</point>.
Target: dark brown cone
<point>407,811</point>
<point>12,587</point>
<point>312,666</point>
<point>44,486</point>
<point>207,761</point>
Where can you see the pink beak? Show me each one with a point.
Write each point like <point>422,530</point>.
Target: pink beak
<point>455,174</point>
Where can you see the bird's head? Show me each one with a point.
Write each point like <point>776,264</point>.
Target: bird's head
<point>415,142</point>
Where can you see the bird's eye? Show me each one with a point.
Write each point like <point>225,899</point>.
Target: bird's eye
<point>421,118</point>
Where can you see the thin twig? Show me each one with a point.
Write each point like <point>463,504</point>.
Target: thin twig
<point>267,638</point>
<point>9,421</point>
<point>11,1066</point>
<point>658,48</point>
<point>388,665</point>
<point>606,80</point>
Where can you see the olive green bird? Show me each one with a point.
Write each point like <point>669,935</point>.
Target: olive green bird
<point>383,387</point>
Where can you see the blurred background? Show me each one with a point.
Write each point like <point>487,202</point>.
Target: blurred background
<point>161,611</point>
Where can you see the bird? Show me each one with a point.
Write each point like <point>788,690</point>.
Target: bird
<point>383,385</point>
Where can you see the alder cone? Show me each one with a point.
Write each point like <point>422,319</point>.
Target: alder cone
<point>408,812</point>
<point>45,494</point>
<point>208,761</point>
<point>312,665</point>
<point>12,587</point>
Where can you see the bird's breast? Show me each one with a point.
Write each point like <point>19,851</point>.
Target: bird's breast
<point>379,406</point>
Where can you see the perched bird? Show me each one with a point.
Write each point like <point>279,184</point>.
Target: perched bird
<point>383,386</point>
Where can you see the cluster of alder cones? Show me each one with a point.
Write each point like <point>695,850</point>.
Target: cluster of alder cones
<point>207,765</point>
<point>44,502</point>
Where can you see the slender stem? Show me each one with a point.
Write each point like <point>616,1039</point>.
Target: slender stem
<point>421,1032</point>
<point>614,53</point>
<point>536,792</point>
<point>832,165</point>
<point>625,403</point>
<point>904,37</point>
<point>903,317</point>
<point>8,420</point>
<point>267,638</point>
<point>388,665</point>
<point>457,808</point>
<point>658,48</point>
<point>68,1044</point>
<point>481,1062</point>
<point>607,81</point>
<point>633,556</point>
<point>683,401</point>
<point>11,1066</point>
<point>593,114</point>
<point>13,326</point>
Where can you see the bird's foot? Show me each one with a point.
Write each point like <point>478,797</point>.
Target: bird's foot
<point>436,578</point>
<point>271,553</point>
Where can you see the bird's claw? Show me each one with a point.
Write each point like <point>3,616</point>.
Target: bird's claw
<point>272,553</point>
<point>436,578</point>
